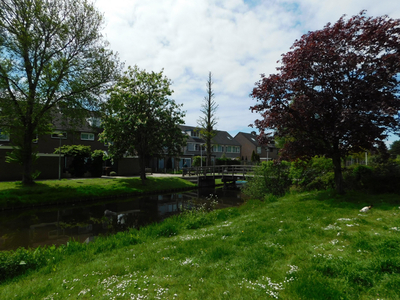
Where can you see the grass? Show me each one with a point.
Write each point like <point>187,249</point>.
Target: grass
<point>314,245</point>
<point>14,194</point>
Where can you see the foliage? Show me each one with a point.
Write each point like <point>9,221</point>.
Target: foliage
<point>140,119</point>
<point>336,91</point>
<point>255,157</point>
<point>54,59</point>
<point>227,161</point>
<point>395,148</point>
<point>312,174</point>
<point>81,155</point>
<point>197,161</point>
<point>270,177</point>
<point>381,178</point>
<point>208,120</point>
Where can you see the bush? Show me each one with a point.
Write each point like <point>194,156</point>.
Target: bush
<point>312,174</point>
<point>269,178</point>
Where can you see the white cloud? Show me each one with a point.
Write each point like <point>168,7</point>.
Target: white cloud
<point>234,39</point>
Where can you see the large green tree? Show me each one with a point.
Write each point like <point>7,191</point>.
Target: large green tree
<point>337,90</point>
<point>208,119</point>
<point>140,118</point>
<point>53,59</point>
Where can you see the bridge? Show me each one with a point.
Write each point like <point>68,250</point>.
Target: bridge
<point>205,176</point>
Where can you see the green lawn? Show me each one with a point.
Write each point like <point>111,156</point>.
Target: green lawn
<point>14,194</point>
<point>314,245</point>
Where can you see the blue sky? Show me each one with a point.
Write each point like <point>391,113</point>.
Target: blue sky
<point>237,40</point>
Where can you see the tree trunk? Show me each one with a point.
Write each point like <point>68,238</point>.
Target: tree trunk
<point>27,160</point>
<point>142,164</point>
<point>209,152</point>
<point>337,165</point>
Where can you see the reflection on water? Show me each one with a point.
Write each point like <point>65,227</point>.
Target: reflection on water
<point>83,222</point>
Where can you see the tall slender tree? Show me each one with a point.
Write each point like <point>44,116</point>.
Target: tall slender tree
<point>208,120</point>
<point>53,59</point>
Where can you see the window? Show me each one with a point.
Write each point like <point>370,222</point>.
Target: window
<point>258,150</point>
<point>4,136</point>
<point>190,147</point>
<point>229,149</point>
<point>196,133</point>
<point>236,149</point>
<point>58,134</point>
<point>87,136</point>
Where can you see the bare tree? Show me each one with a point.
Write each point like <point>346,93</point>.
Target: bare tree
<point>208,120</point>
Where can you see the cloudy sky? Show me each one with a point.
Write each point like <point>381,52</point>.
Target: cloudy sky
<point>237,40</point>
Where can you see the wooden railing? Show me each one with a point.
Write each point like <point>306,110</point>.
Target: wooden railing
<point>218,170</point>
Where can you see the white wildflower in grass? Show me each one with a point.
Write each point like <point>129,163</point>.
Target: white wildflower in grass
<point>270,244</point>
<point>344,219</point>
<point>83,292</point>
<point>186,261</point>
<point>293,269</point>
<point>331,227</point>
<point>334,242</point>
<point>395,228</point>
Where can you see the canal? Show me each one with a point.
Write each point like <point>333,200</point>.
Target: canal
<point>56,225</point>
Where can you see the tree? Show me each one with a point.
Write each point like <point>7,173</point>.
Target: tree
<point>336,91</point>
<point>208,121</point>
<point>395,148</point>
<point>53,60</point>
<point>140,119</point>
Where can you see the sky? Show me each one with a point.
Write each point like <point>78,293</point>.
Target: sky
<point>235,40</point>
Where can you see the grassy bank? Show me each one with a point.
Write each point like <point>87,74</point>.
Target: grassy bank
<point>304,246</point>
<point>14,194</point>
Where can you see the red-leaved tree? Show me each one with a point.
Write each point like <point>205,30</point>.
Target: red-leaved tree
<point>336,91</point>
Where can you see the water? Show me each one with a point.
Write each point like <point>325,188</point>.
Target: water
<point>83,222</point>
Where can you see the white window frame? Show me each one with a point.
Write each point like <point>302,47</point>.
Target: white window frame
<point>258,150</point>
<point>90,136</point>
<point>190,147</point>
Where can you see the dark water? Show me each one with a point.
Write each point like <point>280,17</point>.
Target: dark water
<point>82,222</point>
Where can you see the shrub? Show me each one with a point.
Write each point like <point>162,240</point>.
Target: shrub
<point>269,178</point>
<point>312,174</point>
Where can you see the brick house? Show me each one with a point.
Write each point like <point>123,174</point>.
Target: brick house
<point>48,163</point>
<point>249,143</point>
<point>222,143</point>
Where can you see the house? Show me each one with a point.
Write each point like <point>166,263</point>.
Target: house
<point>48,163</point>
<point>249,143</point>
<point>222,143</point>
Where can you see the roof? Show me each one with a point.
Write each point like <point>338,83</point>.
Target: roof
<point>252,138</point>
<point>222,137</point>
